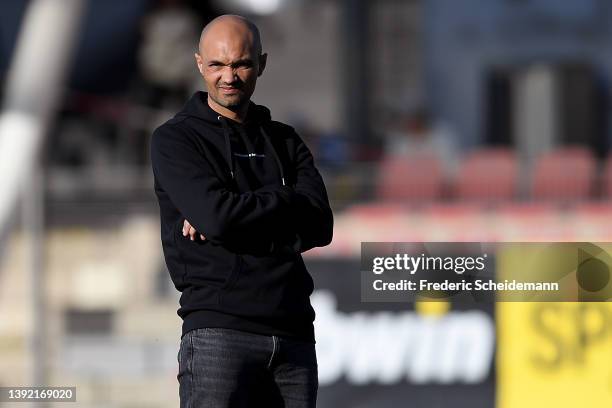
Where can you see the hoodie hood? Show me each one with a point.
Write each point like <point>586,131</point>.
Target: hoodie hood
<point>197,106</point>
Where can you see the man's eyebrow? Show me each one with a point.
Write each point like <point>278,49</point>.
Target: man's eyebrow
<point>238,62</point>
<point>243,61</point>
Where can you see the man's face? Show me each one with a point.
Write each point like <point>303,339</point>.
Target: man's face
<point>230,67</point>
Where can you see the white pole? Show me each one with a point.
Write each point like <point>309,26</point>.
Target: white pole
<point>34,84</point>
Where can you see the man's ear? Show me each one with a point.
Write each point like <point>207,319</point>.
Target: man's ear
<point>199,63</point>
<point>262,63</point>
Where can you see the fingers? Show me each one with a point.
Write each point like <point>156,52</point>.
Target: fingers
<point>189,230</point>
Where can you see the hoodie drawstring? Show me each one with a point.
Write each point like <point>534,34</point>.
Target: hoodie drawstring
<point>228,148</point>
<point>278,162</point>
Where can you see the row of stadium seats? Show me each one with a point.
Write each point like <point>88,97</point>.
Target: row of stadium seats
<point>565,175</point>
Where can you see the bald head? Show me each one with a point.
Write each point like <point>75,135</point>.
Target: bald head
<point>230,61</point>
<point>230,26</point>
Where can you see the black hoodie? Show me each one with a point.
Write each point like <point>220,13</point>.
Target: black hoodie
<point>253,191</point>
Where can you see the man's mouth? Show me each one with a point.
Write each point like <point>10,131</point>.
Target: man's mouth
<point>229,90</point>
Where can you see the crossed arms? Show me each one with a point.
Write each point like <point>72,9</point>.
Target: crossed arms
<point>271,218</point>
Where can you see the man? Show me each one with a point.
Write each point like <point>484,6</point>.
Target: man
<point>240,200</point>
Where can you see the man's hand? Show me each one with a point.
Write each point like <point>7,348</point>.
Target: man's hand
<point>189,230</point>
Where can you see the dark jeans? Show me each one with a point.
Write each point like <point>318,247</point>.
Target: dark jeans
<point>230,368</point>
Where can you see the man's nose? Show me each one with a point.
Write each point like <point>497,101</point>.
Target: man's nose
<point>228,75</point>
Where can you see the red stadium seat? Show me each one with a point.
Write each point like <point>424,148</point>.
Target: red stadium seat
<point>409,179</point>
<point>607,178</point>
<point>564,175</point>
<point>488,175</point>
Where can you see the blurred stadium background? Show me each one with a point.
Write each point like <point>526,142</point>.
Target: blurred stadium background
<point>431,120</point>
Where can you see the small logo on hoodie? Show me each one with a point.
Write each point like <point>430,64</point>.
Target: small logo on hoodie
<point>250,155</point>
